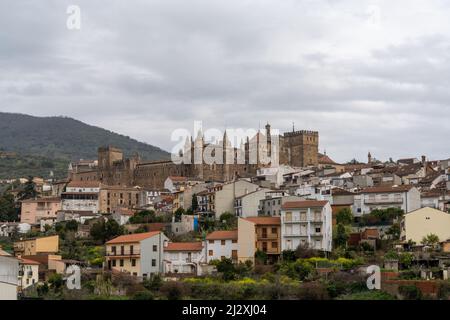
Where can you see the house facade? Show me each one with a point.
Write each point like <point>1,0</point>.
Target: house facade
<point>33,210</point>
<point>259,234</point>
<point>184,258</point>
<point>405,197</point>
<point>81,196</point>
<point>419,223</point>
<point>140,254</point>
<point>307,223</point>
<point>222,244</point>
<point>34,246</point>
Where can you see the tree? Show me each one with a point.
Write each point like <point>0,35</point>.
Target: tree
<point>103,232</point>
<point>29,191</point>
<point>226,268</point>
<point>344,216</point>
<point>261,257</point>
<point>194,203</point>
<point>430,240</point>
<point>342,236</point>
<point>394,231</point>
<point>145,216</point>
<point>228,220</point>
<point>178,213</point>
<point>8,210</point>
<point>71,225</point>
<point>288,255</point>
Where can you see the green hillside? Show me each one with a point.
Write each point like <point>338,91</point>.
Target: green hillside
<point>45,144</point>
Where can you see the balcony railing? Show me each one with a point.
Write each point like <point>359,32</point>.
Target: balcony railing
<point>300,220</point>
<point>295,220</point>
<point>382,201</point>
<point>123,253</point>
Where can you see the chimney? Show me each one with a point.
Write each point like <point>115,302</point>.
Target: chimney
<point>424,159</point>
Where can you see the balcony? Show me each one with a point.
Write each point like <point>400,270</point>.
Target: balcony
<point>295,220</point>
<point>126,253</point>
<point>383,201</point>
<point>266,236</point>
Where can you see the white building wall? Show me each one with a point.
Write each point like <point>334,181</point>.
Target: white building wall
<point>302,229</point>
<point>9,274</point>
<point>220,250</point>
<point>148,255</point>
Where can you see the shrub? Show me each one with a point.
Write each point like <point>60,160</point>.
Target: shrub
<point>143,295</point>
<point>154,283</point>
<point>444,290</point>
<point>368,295</point>
<point>173,290</point>
<point>410,292</point>
<point>312,291</point>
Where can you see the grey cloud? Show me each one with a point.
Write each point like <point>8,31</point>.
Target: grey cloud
<point>145,68</point>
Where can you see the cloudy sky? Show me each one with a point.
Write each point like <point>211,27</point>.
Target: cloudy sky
<point>368,75</point>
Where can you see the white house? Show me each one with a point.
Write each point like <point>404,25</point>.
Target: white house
<point>420,223</point>
<point>9,273</point>
<point>405,197</point>
<point>248,205</point>
<point>224,198</point>
<point>222,244</point>
<point>184,257</point>
<point>28,273</point>
<point>139,254</point>
<point>306,223</point>
<point>81,196</point>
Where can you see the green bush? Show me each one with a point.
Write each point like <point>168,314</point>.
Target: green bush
<point>410,292</point>
<point>143,295</point>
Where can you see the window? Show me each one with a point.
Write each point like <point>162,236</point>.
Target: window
<point>153,262</point>
<point>222,242</point>
<point>223,257</point>
<point>211,241</point>
<point>210,253</point>
<point>122,250</point>
<point>318,230</point>
<point>155,248</point>
<point>131,249</point>
<point>274,231</point>
<point>113,263</point>
<point>274,245</point>
<point>234,241</point>
<point>133,262</point>
<point>121,262</point>
<point>113,249</point>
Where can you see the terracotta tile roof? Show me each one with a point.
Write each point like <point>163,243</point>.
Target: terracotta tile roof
<point>223,235</point>
<point>4,253</point>
<point>340,192</point>
<point>49,199</point>
<point>387,189</point>
<point>408,169</point>
<point>304,204</point>
<point>324,159</point>
<point>83,184</point>
<point>265,220</point>
<point>130,238</point>
<point>28,261</point>
<point>177,178</point>
<point>184,246</point>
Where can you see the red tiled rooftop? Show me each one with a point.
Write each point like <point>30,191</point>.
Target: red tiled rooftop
<point>304,204</point>
<point>265,220</point>
<point>83,184</point>
<point>130,238</point>
<point>388,189</point>
<point>223,235</point>
<point>184,246</point>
